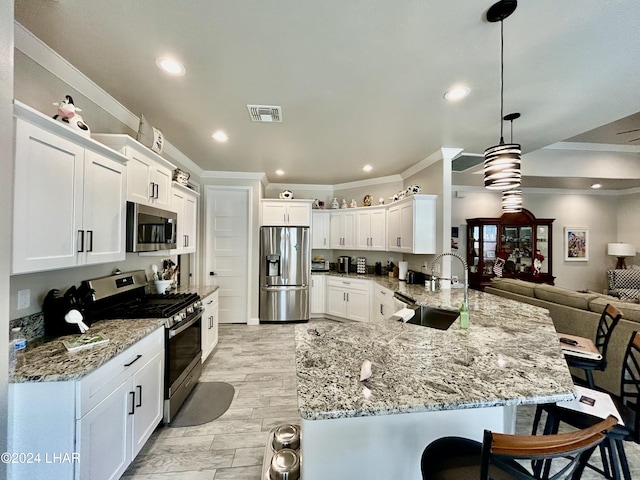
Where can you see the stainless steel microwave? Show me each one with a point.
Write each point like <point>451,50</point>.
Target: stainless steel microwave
<point>150,228</point>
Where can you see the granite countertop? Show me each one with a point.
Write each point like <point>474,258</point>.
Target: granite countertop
<point>510,355</point>
<point>47,359</point>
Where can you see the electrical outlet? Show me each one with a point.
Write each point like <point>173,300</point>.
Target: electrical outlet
<point>454,279</point>
<point>24,299</point>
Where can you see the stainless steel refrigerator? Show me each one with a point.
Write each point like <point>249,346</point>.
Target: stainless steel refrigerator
<point>285,272</point>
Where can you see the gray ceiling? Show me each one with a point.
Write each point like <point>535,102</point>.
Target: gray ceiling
<point>360,81</point>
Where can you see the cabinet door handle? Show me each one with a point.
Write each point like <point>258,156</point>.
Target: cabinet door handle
<point>153,190</point>
<point>187,240</point>
<point>344,296</point>
<point>139,388</point>
<point>133,361</point>
<point>347,297</point>
<point>89,240</point>
<point>80,241</point>
<point>133,403</point>
<point>381,312</point>
<point>157,190</point>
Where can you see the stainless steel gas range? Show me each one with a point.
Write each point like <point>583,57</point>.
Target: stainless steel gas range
<point>123,296</point>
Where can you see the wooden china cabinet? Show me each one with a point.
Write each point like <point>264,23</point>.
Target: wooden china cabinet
<point>520,240</point>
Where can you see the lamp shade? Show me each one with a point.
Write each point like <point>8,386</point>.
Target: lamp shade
<point>621,249</point>
<point>502,167</point>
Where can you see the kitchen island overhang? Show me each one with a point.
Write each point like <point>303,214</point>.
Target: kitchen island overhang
<point>425,384</point>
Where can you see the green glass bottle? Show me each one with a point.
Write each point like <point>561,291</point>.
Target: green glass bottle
<point>464,316</point>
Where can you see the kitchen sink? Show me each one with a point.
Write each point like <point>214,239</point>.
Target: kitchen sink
<point>438,318</point>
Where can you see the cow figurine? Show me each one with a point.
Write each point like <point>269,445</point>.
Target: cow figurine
<point>68,113</point>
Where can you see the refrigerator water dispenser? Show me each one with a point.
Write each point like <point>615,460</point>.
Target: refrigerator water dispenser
<point>273,265</point>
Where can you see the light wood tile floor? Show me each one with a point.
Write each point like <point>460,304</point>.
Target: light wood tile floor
<point>259,361</point>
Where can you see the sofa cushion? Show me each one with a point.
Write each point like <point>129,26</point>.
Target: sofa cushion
<point>630,311</point>
<point>563,296</point>
<point>514,286</point>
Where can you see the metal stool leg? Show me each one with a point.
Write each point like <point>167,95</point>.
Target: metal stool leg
<point>624,464</point>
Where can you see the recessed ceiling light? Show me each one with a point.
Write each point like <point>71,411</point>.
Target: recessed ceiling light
<point>171,66</point>
<point>220,136</point>
<point>367,168</point>
<point>595,186</point>
<point>456,93</point>
<point>279,172</point>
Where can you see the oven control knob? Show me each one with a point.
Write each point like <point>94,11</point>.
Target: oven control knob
<point>189,309</point>
<point>177,318</point>
<point>197,305</point>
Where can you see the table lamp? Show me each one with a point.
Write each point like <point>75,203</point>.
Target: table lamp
<point>621,250</point>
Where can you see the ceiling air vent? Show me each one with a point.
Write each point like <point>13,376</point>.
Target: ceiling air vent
<point>265,113</point>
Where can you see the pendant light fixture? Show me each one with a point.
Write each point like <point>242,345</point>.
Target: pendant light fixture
<point>512,198</point>
<point>502,161</point>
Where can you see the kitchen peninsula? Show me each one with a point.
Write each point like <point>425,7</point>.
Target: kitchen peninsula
<point>425,383</point>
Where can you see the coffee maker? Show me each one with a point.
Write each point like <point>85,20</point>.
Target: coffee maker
<point>343,264</point>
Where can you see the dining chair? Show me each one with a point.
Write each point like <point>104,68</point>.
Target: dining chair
<point>608,321</point>
<point>457,458</point>
<point>614,459</point>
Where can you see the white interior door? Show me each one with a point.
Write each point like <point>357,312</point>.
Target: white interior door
<point>227,249</point>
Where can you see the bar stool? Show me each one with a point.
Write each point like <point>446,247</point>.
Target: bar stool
<point>614,458</point>
<point>456,458</point>
<point>608,321</point>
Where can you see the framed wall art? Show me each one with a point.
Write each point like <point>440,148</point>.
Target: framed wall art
<point>576,244</point>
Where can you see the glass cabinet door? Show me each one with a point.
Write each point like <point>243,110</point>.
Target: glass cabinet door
<point>490,239</point>
<point>516,248</point>
<point>473,244</point>
<point>542,247</point>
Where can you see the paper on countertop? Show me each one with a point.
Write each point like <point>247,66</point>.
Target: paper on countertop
<point>365,370</point>
<point>405,314</point>
<point>602,407</point>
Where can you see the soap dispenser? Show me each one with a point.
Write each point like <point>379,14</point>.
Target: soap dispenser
<point>464,316</point>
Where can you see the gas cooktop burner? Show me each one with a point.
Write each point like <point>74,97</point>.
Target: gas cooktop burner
<point>154,306</point>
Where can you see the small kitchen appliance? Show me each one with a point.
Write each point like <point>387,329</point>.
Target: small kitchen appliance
<point>123,296</point>
<point>343,264</point>
<point>320,265</point>
<point>148,229</point>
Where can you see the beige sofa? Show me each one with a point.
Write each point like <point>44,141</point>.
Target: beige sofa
<point>578,313</point>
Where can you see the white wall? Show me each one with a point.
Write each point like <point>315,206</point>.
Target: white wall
<point>6,202</point>
<point>628,222</point>
<point>597,212</point>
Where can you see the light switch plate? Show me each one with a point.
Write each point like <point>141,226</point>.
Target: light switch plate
<point>24,299</point>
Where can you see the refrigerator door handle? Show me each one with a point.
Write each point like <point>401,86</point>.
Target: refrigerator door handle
<point>287,289</point>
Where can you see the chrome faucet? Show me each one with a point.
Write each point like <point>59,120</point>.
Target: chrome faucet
<point>434,279</point>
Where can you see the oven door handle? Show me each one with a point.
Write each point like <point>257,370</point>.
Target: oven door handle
<point>183,327</point>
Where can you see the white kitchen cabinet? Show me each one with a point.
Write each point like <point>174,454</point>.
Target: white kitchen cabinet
<point>185,203</point>
<point>412,225</point>
<point>69,197</point>
<point>317,306</point>
<point>148,174</point>
<point>102,420</point>
<point>209,324</point>
<point>383,305</point>
<point>343,229</point>
<point>371,228</point>
<point>348,298</point>
<point>292,213</point>
<point>320,232</point>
